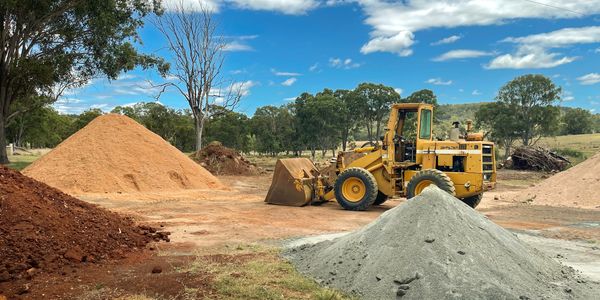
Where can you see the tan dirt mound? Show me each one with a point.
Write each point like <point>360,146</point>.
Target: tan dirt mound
<point>221,160</point>
<point>115,154</point>
<point>578,186</point>
<point>43,230</point>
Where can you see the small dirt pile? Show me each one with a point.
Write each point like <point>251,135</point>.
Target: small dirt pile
<point>221,160</point>
<point>115,154</point>
<point>45,230</point>
<point>436,247</point>
<point>578,186</point>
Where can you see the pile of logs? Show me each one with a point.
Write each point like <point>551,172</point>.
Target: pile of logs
<point>536,158</point>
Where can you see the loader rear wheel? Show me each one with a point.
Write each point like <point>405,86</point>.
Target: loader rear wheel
<point>355,189</point>
<point>381,198</point>
<point>425,178</point>
<point>473,201</point>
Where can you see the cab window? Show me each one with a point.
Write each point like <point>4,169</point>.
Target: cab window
<point>425,126</point>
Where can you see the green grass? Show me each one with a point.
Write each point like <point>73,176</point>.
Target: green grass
<point>589,144</point>
<point>20,162</point>
<point>257,272</point>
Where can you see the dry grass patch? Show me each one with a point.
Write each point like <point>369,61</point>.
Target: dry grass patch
<point>258,272</point>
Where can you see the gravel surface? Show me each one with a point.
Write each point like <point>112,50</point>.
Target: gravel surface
<point>436,247</point>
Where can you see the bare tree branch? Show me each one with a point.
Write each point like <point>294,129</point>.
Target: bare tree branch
<point>199,54</point>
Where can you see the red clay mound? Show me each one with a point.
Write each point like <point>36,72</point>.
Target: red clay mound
<point>115,154</point>
<point>221,160</point>
<point>45,230</point>
<point>578,186</point>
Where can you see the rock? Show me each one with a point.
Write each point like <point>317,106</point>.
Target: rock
<point>400,292</point>
<point>429,240</point>
<point>461,252</point>
<point>31,272</point>
<point>74,254</point>
<point>157,270</point>
<point>4,276</point>
<point>24,289</point>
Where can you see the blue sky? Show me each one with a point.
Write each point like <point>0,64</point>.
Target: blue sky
<point>463,50</point>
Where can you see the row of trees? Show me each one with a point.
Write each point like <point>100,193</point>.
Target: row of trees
<point>524,111</point>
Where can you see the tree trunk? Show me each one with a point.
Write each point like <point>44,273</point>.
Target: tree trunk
<point>199,126</point>
<point>378,130</point>
<point>3,153</point>
<point>344,139</point>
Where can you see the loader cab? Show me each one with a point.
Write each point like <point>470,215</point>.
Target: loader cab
<point>409,125</point>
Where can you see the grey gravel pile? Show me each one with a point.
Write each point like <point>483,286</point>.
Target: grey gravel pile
<point>436,247</point>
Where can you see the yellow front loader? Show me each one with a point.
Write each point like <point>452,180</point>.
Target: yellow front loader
<point>407,160</point>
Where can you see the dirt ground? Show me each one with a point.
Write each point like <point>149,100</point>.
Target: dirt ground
<point>239,216</point>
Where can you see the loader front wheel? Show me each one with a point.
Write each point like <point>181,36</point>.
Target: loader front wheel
<point>473,201</point>
<point>381,198</point>
<point>355,189</point>
<point>425,178</point>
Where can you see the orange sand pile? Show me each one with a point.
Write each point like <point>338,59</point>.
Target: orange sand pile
<point>578,186</point>
<point>115,154</point>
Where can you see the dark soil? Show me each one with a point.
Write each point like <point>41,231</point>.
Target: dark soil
<point>43,230</point>
<point>220,160</point>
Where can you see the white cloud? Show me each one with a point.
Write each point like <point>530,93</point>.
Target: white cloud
<point>534,51</point>
<point>529,59</point>
<point>314,67</point>
<point>238,43</point>
<point>289,7</point>
<point>399,44</point>
<point>191,5</point>
<point>461,54</point>
<point>289,99</point>
<point>399,91</point>
<point>288,74</point>
<point>438,81</point>
<point>126,76</point>
<point>560,38</point>
<point>243,87</point>
<point>597,50</point>
<point>476,93</point>
<point>343,63</point>
<point>237,46</point>
<point>449,40</point>
<point>289,81</point>
<point>171,77</point>
<point>394,23</point>
<point>589,79</point>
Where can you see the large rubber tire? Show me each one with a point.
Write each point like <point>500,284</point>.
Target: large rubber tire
<point>434,176</point>
<point>370,189</point>
<point>381,198</point>
<point>473,201</point>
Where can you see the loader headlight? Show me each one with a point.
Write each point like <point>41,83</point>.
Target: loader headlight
<point>467,185</point>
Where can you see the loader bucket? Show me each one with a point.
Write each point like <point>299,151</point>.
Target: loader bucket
<point>292,182</point>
